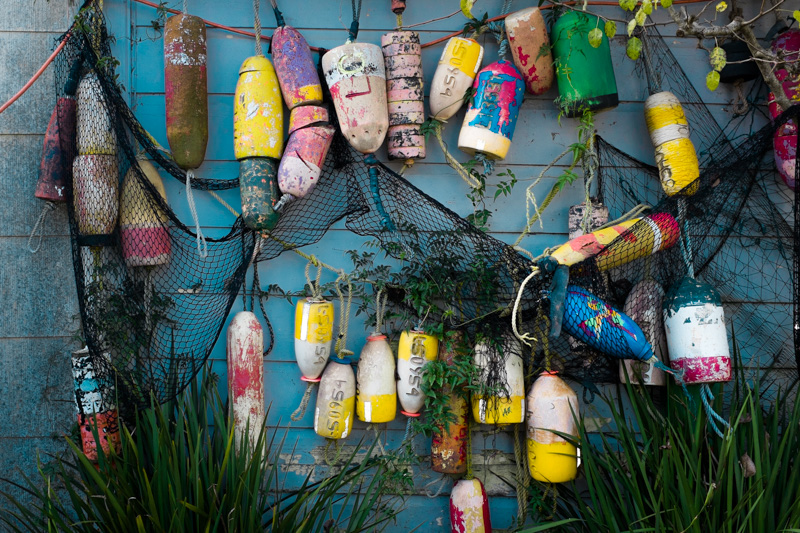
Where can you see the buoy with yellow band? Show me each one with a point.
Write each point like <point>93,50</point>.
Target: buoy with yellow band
<point>95,131</point>
<point>246,376</point>
<point>552,407</point>
<point>310,137</point>
<point>506,406</point>
<point>469,508</point>
<point>404,92</point>
<point>458,66</point>
<point>449,440</point>
<point>143,224</point>
<point>336,398</point>
<point>675,155</point>
<point>376,399</point>
<point>96,195</point>
<point>415,350</point>
<point>492,113</point>
<point>530,48</point>
<point>643,305</point>
<point>295,68</point>
<point>185,89</point>
<point>313,336</point>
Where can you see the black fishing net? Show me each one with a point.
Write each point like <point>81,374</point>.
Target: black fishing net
<point>157,323</point>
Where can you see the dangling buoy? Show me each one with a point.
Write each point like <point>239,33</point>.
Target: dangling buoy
<point>785,140</point>
<point>404,92</point>
<point>585,74</point>
<point>675,154</point>
<point>96,409</point>
<point>246,376</point>
<point>376,400</point>
<point>185,89</point>
<point>357,81</point>
<point>449,441</point>
<point>458,66</point>
<point>143,224</point>
<point>107,427</point>
<point>310,137</point>
<point>95,133</point>
<point>552,407</point>
<point>259,190</point>
<point>333,418</point>
<point>492,113</point>
<point>643,305</point>
<point>96,191</point>
<point>295,68</point>
<point>313,335</point>
<point>508,406</point>
<point>416,349</point>
<point>694,322</point>
<point>257,111</point>
<point>530,48</point>
<point>469,508</point>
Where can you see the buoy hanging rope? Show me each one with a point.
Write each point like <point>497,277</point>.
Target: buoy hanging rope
<point>202,245</point>
<point>380,309</point>
<point>352,33</point>
<point>278,15</point>
<point>39,227</point>
<point>685,241</point>
<point>372,166</point>
<point>257,26</point>
<point>314,286</point>
<point>340,349</point>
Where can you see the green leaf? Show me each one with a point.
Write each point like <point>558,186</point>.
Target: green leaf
<point>466,8</point>
<point>631,26</point>
<point>647,6</point>
<point>666,3</point>
<point>796,15</point>
<point>595,37</point>
<point>610,29</point>
<point>722,6</point>
<point>627,5</point>
<point>640,17</point>
<point>718,58</point>
<point>712,80</point>
<point>634,48</point>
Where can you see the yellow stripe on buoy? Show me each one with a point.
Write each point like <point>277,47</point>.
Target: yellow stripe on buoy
<point>675,154</point>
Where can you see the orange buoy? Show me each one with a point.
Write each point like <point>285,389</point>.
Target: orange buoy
<point>449,440</point>
<point>404,92</point>
<point>143,224</point>
<point>530,48</point>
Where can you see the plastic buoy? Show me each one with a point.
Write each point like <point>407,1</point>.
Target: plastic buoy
<point>246,376</point>
<point>295,68</point>
<point>785,140</point>
<point>404,92</point>
<point>143,224</point>
<point>310,137</point>
<point>458,66</point>
<point>96,194</point>
<point>258,186</point>
<point>313,336</point>
<point>376,399</point>
<point>97,411</point>
<point>257,111</point>
<point>333,417</point>
<point>675,154</point>
<point>415,350</point>
<point>643,305</point>
<point>95,130</point>
<point>552,407</point>
<point>530,48</point>
<point>469,508</point>
<point>449,441</point>
<point>507,406</point>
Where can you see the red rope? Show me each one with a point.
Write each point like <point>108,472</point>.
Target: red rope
<point>36,76</point>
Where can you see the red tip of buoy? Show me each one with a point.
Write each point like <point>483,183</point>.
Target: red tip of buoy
<point>311,380</point>
<point>550,373</point>
<point>412,415</point>
<point>376,337</point>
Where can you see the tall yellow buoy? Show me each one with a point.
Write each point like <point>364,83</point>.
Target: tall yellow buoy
<point>675,154</point>
<point>508,405</point>
<point>416,349</point>
<point>377,390</point>
<point>333,417</point>
<point>313,336</point>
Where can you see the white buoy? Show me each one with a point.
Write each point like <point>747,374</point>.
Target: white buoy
<point>377,391</point>
<point>416,349</point>
<point>333,417</point>
<point>643,305</point>
<point>313,336</point>
<point>508,406</point>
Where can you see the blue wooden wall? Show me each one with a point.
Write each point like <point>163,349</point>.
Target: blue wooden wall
<point>539,138</point>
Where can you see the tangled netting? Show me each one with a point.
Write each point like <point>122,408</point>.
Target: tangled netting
<point>152,325</point>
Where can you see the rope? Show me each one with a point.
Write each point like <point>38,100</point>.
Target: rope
<point>39,226</point>
<point>442,480</point>
<point>185,7</point>
<point>202,246</point>
<point>488,164</point>
<point>300,412</point>
<point>257,286</point>
<point>407,436</point>
<point>340,349</point>
<point>38,73</point>
<point>352,33</point>
<point>225,204</point>
<point>380,309</point>
<point>522,478</point>
<point>706,396</point>
<point>633,213</point>
<point>526,338</point>
<point>740,104</point>
<point>316,291</point>
<point>372,168</point>
<point>336,448</point>
<point>257,26</point>
<point>686,247</point>
<point>590,163</point>
<point>278,15</point>
<point>399,21</point>
<point>468,178</point>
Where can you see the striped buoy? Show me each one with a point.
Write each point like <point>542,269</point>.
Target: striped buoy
<point>784,141</point>
<point>313,336</point>
<point>492,113</point>
<point>185,89</point>
<point>310,137</point>
<point>415,350</point>
<point>458,66</point>
<point>96,193</point>
<point>508,405</point>
<point>552,409</point>
<point>469,507</point>
<point>449,441</point>
<point>357,80</point>
<point>333,417</point>
<point>246,376</point>
<point>295,68</point>
<point>97,410</point>
<point>404,93</point>
<point>643,305</point>
<point>143,224</point>
<point>530,48</point>
<point>675,154</point>
<point>376,396</point>
<point>95,132</point>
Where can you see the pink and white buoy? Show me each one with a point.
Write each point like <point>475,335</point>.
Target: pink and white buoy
<point>785,139</point>
<point>404,92</point>
<point>310,137</point>
<point>469,508</point>
<point>246,376</point>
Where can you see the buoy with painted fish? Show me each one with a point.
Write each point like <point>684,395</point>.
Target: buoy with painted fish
<point>458,66</point>
<point>784,141</point>
<point>376,396</point>
<point>97,410</point>
<point>415,350</point>
<point>675,154</point>
<point>644,306</point>
<point>530,48</point>
<point>404,92</point>
<point>506,406</point>
<point>694,323</point>
<point>143,224</point>
<point>96,195</point>
<point>245,351</point>
<point>552,407</point>
<point>295,67</point>
<point>95,134</point>
<point>333,416</point>
<point>185,89</point>
<point>310,137</point>
<point>469,507</point>
<point>492,113</point>
<point>585,74</point>
<point>449,441</point>
<point>313,336</point>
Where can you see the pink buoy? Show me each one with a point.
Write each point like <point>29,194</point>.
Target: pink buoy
<point>404,93</point>
<point>246,375</point>
<point>469,508</point>
<point>295,68</point>
<point>785,139</point>
<point>310,137</point>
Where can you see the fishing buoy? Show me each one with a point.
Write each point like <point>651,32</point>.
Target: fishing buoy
<point>530,48</point>
<point>313,336</point>
<point>107,427</point>
<point>295,68</point>
<point>97,410</point>
<point>258,187</point>
<point>415,350</point>
<point>585,74</point>
<point>643,306</point>
<point>142,222</point>
<point>404,92</point>
<point>508,405</point>
<point>552,407</point>
<point>376,399</point>
<point>310,137</point>
<point>469,507</point>
<point>185,89</point>
<point>246,376</point>
<point>458,66</point>
<point>694,323</point>
<point>492,113</point>
<point>675,155</point>
<point>449,440</point>
<point>333,417</point>
<point>784,141</point>
<point>96,193</point>
<point>257,111</point>
<point>357,80</point>
<point>95,132</point>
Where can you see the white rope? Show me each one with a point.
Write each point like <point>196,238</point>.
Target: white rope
<point>316,292</point>
<point>185,7</point>
<point>284,200</point>
<point>380,309</point>
<point>256,5</point>
<point>202,246</point>
<point>39,226</point>
<point>526,338</point>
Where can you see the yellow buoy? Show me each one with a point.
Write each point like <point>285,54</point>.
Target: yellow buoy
<point>675,154</point>
<point>313,335</point>
<point>257,111</point>
<point>458,66</point>
<point>377,390</point>
<point>508,405</point>
<point>333,417</point>
<point>416,349</point>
